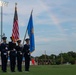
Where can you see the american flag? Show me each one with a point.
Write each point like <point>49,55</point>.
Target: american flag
<point>15,30</point>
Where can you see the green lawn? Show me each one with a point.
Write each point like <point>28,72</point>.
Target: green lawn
<point>46,70</point>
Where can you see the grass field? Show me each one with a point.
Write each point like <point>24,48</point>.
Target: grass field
<point>46,70</point>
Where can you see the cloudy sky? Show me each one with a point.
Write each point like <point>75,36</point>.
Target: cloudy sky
<point>54,23</point>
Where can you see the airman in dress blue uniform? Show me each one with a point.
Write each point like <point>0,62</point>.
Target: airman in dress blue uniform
<point>12,54</point>
<point>26,52</point>
<point>4,54</point>
<point>19,56</point>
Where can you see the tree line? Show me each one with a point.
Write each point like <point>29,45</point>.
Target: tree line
<point>62,58</point>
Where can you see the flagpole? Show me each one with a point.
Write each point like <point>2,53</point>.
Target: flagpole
<point>24,36</point>
<point>2,3</point>
<point>32,11</point>
<point>26,31</point>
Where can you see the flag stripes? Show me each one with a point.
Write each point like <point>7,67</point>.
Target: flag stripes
<point>15,30</point>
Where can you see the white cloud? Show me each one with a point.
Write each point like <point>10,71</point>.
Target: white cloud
<point>66,10</point>
<point>39,6</point>
<point>66,30</point>
<point>49,39</point>
<point>24,10</point>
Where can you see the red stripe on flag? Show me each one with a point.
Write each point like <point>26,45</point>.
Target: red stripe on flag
<point>15,30</point>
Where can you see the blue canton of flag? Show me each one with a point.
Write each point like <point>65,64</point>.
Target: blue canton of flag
<point>30,29</point>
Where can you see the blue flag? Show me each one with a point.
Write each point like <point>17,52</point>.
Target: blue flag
<point>30,29</point>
